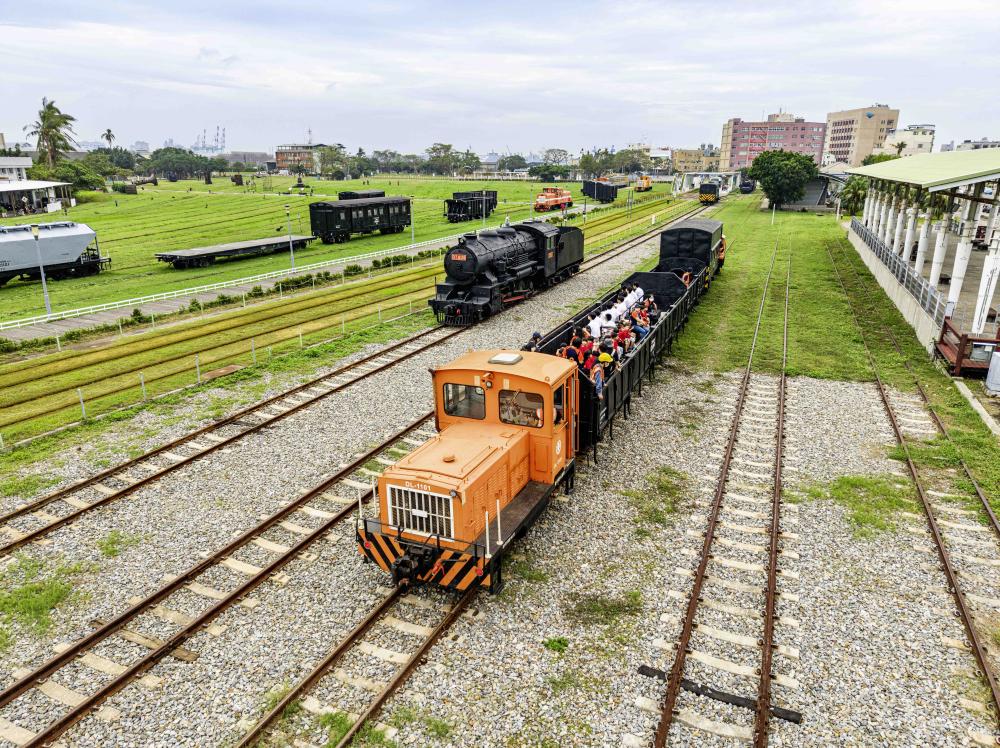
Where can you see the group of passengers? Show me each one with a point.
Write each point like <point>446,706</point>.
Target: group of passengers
<point>600,346</point>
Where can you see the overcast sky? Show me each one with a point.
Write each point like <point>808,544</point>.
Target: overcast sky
<point>492,76</point>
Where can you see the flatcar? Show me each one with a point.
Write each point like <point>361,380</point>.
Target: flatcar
<point>747,186</point>
<point>708,193</point>
<point>337,221</point>
<point>64,247</point>
<point>359,194</point>
<point>487,271</point>
<point>470,205</point>
<point>511,426</point>
<point>553,198</point>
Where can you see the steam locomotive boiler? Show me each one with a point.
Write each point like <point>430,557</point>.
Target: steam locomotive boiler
<point>487,271</point>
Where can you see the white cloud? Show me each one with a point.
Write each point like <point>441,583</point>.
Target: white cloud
<point>518,75</point>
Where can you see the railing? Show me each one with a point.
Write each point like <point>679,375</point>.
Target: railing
<point>917,286</point>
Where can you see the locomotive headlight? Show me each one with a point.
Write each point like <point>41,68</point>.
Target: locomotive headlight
<point>453,493</point>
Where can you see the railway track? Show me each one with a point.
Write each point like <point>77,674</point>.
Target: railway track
<point>361,642</point>
<point>727,631</point>
<point>960,522</point>
<point>286,535</point>
<point>34,520</point>
<point>38,518</point>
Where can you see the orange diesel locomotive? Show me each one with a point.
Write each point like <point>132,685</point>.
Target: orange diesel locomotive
<point>553,198</point>
<point>507,425</point>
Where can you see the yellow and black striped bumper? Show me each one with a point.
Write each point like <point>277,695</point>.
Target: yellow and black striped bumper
<point>452,569</point>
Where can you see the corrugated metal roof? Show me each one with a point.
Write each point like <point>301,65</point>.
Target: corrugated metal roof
<point>937,171</point>
<point>21,185</point>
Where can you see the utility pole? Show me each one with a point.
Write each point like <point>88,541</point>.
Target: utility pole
<point>413,219</point>
<point>41,269</point>
<point>288,219</point>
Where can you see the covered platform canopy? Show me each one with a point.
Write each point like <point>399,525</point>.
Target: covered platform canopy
<point>955,197</point>
<point>26,196</point>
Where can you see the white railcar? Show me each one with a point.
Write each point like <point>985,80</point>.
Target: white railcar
<point>64,246</point>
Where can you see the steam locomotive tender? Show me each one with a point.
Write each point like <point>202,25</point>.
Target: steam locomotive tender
<point>492,269</point>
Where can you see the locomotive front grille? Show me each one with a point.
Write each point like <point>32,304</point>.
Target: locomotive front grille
<point>421,512</point>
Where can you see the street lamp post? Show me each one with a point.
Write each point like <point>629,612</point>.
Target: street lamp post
<point>288,219</point>
<point>413,220</point>
<point>41,269</point>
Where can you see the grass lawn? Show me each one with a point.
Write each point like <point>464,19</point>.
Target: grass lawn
<point>131,229</point>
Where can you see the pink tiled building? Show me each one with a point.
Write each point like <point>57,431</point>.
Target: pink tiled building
<point>742,141</point>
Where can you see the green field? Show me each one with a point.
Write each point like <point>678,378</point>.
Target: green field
<point>133,228</point>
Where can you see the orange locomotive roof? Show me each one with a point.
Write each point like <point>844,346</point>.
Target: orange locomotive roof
<point>540,367</point>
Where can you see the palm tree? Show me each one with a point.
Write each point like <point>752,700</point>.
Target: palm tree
<point>54,130</point>
<point>900,147</point>
<point>108,136</point>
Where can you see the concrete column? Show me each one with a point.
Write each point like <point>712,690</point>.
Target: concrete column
<point>866,214</point>
<point>964,250</point>
<point>890,221</point>
<point>911,229</point>
<point>925,232</point>
<point>897,233</point>
<point>940,247</point>
<point>880,213</point>
<point>987,286</point>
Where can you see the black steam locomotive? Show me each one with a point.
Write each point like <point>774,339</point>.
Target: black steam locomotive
<point>491,269</point>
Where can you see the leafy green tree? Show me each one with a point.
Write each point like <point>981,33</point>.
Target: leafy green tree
<point>121,158</point>
<point>783,175</point>
<point>412,163</point>
<point>628,161</point>
<point>77,173</point>
<point>555,156</point>
<point>441,158</point>
<point>217,165</point>
<point>385,159</point>
<point>852,196</point>
<point>54,130</point>
<point>468,162</point>
<point>179,161</point>
<point>549,172</point>
<point>878,158</point>
<point>238,166</point>
<point>333,161</point>
<point>512,162</point>
<point>99,163</point>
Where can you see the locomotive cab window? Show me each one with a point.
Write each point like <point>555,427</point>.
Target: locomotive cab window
<point>557,405</point>
<point>521,408</point>
<point>465,401</point>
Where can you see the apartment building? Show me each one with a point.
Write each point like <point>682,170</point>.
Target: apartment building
<point>686,160</point>
<point>908,141</point>
<point>853,134</point>
<point>743,141</point>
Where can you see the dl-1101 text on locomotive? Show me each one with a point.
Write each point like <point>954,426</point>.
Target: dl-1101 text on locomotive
<point>488,270</point>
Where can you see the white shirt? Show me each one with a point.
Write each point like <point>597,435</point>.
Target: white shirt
<point>639,294</point>
<point>595,327</point>
<point>607,322</point>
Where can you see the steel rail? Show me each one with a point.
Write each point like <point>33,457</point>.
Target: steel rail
<point>954,587</point>
<point>986,506</point>
<point>78,712</point>
<point>763,709</point>
<point>677,670</point>
<point>191,436</point>
<point>403,674</point>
